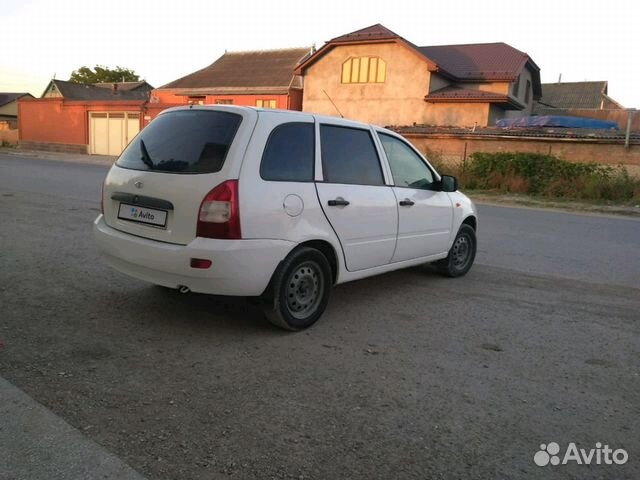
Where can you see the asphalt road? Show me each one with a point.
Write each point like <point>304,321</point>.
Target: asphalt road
<point>408,375</point>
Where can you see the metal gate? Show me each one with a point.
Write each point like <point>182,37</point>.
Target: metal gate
<point>110,132</point>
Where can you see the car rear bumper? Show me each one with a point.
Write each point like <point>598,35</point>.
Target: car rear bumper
<point>239,267</point>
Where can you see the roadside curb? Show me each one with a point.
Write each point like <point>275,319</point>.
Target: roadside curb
<point>625,212</point>
<point>59,157</point>
<point>37,444</point>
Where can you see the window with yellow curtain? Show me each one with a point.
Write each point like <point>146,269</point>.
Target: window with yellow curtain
<point>364,70</point>
<point>266,103</point>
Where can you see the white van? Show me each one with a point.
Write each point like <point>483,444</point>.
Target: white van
<point>278,205</point>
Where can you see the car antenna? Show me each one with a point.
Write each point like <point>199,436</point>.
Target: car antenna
<point>334,105</point>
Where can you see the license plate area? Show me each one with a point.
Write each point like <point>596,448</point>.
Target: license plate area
<point>138,214</point>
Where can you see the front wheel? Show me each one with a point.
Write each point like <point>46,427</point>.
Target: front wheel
<point>461,255</point>
<point>299,290</point>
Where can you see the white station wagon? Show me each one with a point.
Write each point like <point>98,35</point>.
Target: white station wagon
<point>277,205</point>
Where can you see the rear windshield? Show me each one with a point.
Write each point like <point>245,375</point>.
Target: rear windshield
<point>183,141</point>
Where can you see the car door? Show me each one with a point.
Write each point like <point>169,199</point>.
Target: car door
<point>353,193</point>
<point>425,215</point>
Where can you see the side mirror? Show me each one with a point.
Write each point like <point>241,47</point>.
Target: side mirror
<point>449,183</point>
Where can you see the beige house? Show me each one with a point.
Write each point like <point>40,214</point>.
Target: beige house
<point>376,76</point>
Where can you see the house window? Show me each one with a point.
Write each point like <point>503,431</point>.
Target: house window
<point>266,103</point>
<point>364,70</point>
<point>196,100</point>
<point>515,89</point>
<point>527,92</point>
<point>224,101</point>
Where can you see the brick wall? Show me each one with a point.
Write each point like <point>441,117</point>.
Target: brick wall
<point>454,149</point>
<point>9,136</point>
<point>53,147</point>
<point>616,115</point>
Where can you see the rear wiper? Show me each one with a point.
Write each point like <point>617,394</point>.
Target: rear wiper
<point>146,158</point>
<point>172,165</point>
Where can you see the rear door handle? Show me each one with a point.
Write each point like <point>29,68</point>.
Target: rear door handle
<point>406,203</point>
<point>338,202</point>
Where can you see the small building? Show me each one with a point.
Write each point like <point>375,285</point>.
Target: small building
<point>587,100</point>
<point>375,75</point>
<point>262,78</point>
<point>9,109</point>
<point>84,118</point>
<point>558,98</point>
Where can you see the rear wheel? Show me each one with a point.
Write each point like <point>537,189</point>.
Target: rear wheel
<point>461,255</point>
<point>299,290</point>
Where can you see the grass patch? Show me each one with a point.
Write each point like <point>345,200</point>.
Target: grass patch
<point>543,176</point>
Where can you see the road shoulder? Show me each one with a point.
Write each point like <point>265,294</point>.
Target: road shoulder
<point>532,203</point>
<point>59,156</point>
<point>37,444</point>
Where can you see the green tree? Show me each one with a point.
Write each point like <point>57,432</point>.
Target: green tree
<point>103,74</point>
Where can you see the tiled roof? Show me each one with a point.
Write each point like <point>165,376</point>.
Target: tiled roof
<point>8,97</point>
<point>480,61</point>
<point>614,136</point>
<point>468,95</point>
<point>125,86</point>
<point>462,94</point>
<point>374,32</point>
<point>265,68</point>
<point>82,91</point>
<point>571,95</point>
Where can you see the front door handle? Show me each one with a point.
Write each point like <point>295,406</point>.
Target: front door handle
<point>406,203</point>
<point>338,202</point>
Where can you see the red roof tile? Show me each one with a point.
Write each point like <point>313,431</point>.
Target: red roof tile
<point>463,93</point>
<point>374,32</point>
<point>480,61</point>
<point>457,94</point>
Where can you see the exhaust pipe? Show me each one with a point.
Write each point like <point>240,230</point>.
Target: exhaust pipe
<point>183,289</point>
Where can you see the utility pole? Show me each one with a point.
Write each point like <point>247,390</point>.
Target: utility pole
<point>627,135</point>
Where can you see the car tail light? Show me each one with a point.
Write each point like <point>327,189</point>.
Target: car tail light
<point>219,215</point>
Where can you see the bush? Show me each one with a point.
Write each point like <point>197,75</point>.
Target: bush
<point>546,175</point>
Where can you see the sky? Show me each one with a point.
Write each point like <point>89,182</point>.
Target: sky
<point>165,40</point>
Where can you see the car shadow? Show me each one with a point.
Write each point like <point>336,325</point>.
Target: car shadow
<point>213,315</point>
<point>195,312</point>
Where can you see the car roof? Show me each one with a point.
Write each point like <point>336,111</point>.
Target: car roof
<point>270,111</point>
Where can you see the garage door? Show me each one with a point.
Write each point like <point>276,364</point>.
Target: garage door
<point>110,132</point>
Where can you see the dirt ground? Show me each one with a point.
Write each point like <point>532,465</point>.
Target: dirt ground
<point>408,375</point>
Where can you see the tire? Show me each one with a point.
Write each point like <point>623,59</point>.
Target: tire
<point>299,290</point>
<point>461,255</point>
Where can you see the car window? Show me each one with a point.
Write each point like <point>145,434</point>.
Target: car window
<point>407,167</point>
<point>183,141</point>
<point>349,156</point>
<point>289,153</point>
